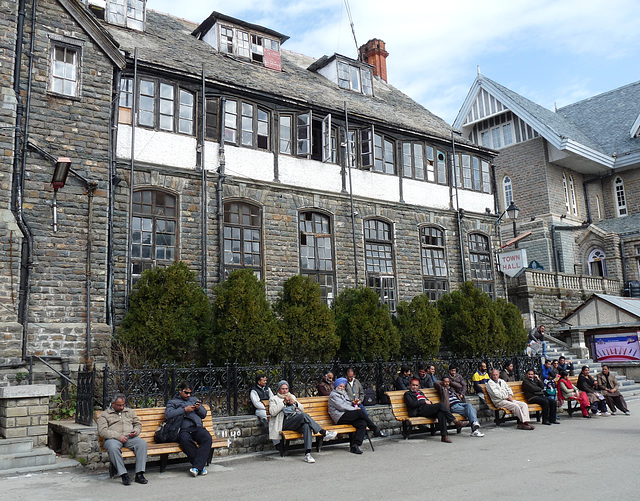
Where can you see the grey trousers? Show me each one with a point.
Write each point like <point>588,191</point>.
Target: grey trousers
<point>301,421</point>
<point>136,444</point>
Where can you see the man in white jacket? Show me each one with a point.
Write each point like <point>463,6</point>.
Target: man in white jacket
<point>502,396</point>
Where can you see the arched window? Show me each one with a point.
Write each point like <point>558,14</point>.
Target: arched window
<point>598,211</point>
<point>507,189</point>
<point>480,260</point>
<point>574,202</point>
<point>597,263</point>
<point>316,252</point>
<point>242,237</point>
<point>378,253</point>
<point>621,199</point>
<point>566,193</point>
<point>434,262</point>
<point>154,231</point>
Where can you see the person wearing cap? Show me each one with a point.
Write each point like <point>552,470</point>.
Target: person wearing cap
<point>344,410</point>
<point>288,414</point>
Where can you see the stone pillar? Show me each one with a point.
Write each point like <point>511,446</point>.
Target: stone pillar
<point>578,345</point>
<point>24,412</point>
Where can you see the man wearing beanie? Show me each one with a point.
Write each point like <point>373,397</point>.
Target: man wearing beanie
<point>288,414</point>
<point>345,411</point>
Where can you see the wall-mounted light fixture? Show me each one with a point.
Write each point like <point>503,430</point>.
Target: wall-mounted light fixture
<point>512,213</point>
<point>60,174</point>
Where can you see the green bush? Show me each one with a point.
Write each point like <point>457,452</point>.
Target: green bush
<point>307,327</point>
<point>168,320</point>
<point>364,326</point>
<point>514,326</point>
<point>471,326</point>
<point>245,328</point>
<point>418,323</point>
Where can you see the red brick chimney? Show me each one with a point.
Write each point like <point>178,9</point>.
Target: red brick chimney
<point>373,53</point>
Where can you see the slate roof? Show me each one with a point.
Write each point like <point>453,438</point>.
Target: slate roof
<point>168,44</point>
<point>608,118</point>
<point>630,305</point>
<point>620,225</point>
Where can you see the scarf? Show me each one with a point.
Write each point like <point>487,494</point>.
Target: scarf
<point>569,386</point>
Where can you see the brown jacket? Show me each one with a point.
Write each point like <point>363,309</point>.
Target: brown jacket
<point>444,394</point>
<point>613,382</point>
<point>114,425</point>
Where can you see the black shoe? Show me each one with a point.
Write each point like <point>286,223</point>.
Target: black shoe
<point>547,423</point>
<point>379,433</point>
<point>126,479</point>
<point>140,478</point>
<point>355,450</point>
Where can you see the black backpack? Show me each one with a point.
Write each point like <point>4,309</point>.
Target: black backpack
<point>369,396</point>
<point>169,430</point>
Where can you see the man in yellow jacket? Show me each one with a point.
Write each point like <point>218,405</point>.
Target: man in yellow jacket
<point>120,427</point>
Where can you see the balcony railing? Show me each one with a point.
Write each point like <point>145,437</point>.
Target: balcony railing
<point>578,283</point>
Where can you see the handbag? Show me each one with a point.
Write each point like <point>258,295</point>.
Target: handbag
<point>169,430</point>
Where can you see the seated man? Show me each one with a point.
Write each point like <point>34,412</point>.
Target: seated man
<point>259,392</point>
<point>344,410</point>
<point>457,381</point>
<point>535,339</point>
<point>508,373</point>
<point>419,405</point>
<point>610,388</point>
<point>354,390</point>
<point>288,414</point>
<point>325,387</point>
<point>194,439</point>
<point>120,427</point>
<point>547,370</point>
<point>480,378</point>
<point>427,376</point>
<point>502,396</point>
<point>563,365</point>
<point>534,392</point>
<point>455,403</point>
<point>403,380</point>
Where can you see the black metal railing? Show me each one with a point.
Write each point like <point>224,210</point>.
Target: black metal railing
<point>226,388</point>
<point>84,397</point>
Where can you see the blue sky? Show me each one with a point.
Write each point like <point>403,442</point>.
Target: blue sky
<point>550,51</point>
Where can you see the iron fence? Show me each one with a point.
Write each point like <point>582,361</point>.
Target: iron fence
<point>226,388</point>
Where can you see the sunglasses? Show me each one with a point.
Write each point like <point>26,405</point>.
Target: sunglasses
<point>186,392</point>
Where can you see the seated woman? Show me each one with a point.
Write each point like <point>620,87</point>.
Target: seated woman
<point>587,384</point>
<point>345,411</point>
<point>288,414</point>
<point>569,392</point>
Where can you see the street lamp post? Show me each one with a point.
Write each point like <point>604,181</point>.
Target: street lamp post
<point>512,213</point>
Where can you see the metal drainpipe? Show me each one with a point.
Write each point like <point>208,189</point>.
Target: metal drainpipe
<point>458,214</point>
<point>586,191</point>
<point>219,187</point>
<point>353,212</point>
<point>622,258</point>
<point>91,189</point>
<point>203,274</point>
<point>113,176</point>
<point>134,112</point>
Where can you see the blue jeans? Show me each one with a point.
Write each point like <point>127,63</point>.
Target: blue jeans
<point>467,410</point>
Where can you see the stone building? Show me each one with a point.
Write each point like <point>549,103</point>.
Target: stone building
<point>575,176</point>
<point>212,144</point>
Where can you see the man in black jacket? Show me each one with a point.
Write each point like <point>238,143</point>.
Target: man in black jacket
<point>533,390</point>
<point>194,439</point>
<point>419,405</point>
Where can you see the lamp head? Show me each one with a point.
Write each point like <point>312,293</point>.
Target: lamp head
<point>512,211</point>
<point>63,165</point>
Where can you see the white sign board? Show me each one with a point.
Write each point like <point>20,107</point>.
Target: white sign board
<point>512,263</point>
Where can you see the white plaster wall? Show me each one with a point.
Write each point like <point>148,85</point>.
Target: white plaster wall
<point>249,163</point>
<point>309,173</point>
<point>163,148</point>
<point>474,201</point>
<point>212,36</point>
<point>211,160</point>
<point>330,71</point>
<point>374,185</point>
<point>425,194</point>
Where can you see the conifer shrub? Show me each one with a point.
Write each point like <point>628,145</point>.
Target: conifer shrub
<point>307,327</point>
<point>168,320</point>
<point>514,327</point>
<point>364,326</point>
<point>418,324</point>
<point>244,326</point>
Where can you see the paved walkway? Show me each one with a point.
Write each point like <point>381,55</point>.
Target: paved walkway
<point>578,459</point>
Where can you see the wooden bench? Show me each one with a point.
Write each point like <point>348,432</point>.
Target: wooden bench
<point>516,388</point>
<point>400,412</point>
<point>317,408</point>
<point>153,417</point>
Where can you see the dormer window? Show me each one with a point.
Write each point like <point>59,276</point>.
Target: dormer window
<point>129,13</point>
<point>347,73</point>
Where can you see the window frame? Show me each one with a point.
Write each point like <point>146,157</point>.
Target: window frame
<point>620,197</point>
<point>481,263</point>
<point>128,21</point>
<point>381,161</point>
<point>438,282</point>
<point>317,273</point>
<point>63,43</point>
<point>260,140</point>
<point>378,279</point>
<point>507,191</point>
<point>362,85</point>
<point>597,258</point>
<point>228,236</point>
<point>299,126</point>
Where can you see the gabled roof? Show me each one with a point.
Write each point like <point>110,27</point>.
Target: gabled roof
<point>95,30</point>
<point>620,225</point>
<point>168,45</point>
<point>206,25</point>
<point>615,311</point>
<point>555,128</point>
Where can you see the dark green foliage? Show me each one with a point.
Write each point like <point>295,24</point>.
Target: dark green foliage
<point>512,320</point>
<point>245,328</point>
<point>418,323</point>
<point>470,324</point>
<point>307,327</point>
<point>168,319</point>
<point>364,326</point>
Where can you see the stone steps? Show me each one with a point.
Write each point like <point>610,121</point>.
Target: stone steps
<point>20,453</point>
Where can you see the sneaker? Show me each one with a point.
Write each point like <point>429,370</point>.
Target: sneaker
<point>598,413</point>
<point>627,413</point>
<point>331,435</point>
<point>606,413</point>
<point>308,458</point>
<point>613,413</point>
<point>477,433</point>
<point>194,472</point>
<point>203,471</point>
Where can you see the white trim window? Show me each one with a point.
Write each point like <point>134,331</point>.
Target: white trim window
<point>65,70</point>
<point>621,199</point>
<point>566,193</point>
<point>352,77</point>
<point>129,13</point>
<point>574,202</point>
<point>507,191</point>
<point>164,106</point>
<point>598,211</point>
<point>597,263</point>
